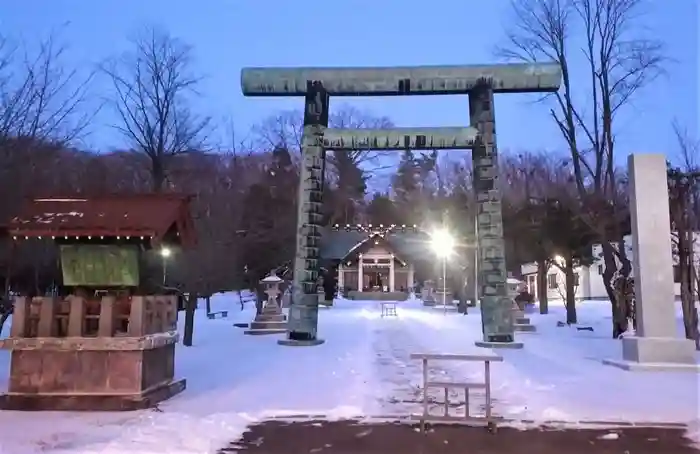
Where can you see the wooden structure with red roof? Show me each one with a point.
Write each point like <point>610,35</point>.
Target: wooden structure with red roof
<point>151,218</point>
<point>89,352</point>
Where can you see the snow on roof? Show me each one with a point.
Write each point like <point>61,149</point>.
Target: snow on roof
<point>272,278</point>
<point>148,215</point>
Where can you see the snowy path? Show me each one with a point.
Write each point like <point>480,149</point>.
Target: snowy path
<point>419,329</point>
<point>363,369</point>
<point>233,380</point>
<point>415,331</point>
<point>557,376</point>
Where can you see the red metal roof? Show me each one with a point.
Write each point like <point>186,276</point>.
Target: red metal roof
<point>147,215</point>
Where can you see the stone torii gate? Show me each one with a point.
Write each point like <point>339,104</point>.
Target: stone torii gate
<point>480,82</point>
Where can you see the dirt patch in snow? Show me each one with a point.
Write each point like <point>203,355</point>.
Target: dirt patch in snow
<point>353,437</point>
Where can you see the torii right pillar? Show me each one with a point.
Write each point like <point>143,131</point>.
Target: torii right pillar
<point>657,344</point>
<point>496,304</point>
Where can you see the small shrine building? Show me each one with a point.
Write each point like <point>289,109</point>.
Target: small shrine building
<point>105,342</point>
<point>376,263</point>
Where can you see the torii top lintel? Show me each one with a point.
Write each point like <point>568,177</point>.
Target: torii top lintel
<point>402,81</point>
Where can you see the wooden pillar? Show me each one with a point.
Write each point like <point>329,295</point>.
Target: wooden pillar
<point>157,319</point>
<point>20,315</point>
<point>171,315</point>
<point>137,316</point>
<point>76,316</point>
<point>107,317</point>
<point>47,316</point>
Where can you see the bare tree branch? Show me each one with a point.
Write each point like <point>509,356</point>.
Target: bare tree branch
<point>40,97</point>
<point>285,130</point>
<point>619,63</point>
<point>153,86</point>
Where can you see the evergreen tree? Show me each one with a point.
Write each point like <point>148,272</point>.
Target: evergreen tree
<point>269,216</point>
<point>382,210</point>
<point>351,187</point>
<point>411,185</point>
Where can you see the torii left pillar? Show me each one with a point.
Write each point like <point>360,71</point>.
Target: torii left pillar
<point>303,313</point>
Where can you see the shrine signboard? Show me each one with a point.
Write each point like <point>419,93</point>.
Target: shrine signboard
<point>100,265</point>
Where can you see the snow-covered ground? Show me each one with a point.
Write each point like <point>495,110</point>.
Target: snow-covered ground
<point>363,369</point>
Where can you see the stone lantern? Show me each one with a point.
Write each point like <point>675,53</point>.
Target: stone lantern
<point>271,320</point>
<point>513,286</point>
<point>428,293</point>
<point>520,321</point>
<point>272,290</point>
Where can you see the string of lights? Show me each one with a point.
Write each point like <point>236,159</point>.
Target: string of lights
<point>376,229</point>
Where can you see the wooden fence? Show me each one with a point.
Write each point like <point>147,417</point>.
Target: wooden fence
<point>108,316</point>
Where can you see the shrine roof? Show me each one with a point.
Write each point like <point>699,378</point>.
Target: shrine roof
<point>338,245</point>
<point>152,216</point>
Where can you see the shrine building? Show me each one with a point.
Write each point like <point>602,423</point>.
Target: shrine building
<point>376,263</point>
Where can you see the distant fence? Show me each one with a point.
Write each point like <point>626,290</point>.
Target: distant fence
<point>246,297</point>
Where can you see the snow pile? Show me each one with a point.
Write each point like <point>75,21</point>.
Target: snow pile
<point>693,432</point>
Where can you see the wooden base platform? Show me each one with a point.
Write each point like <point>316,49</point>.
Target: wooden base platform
<point>92,402</point>
<point>264,331</point>
<point>377,296</point>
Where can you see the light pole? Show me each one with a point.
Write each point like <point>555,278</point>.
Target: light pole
<point>164,254</point>
<point>443,244</point>
<point>476,261</point>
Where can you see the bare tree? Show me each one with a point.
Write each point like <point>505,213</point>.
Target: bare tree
<point>44,106</point>
<point>619,62</point>
<point>349,117</point>
<point>284,130</point>
<point>41,98</point>
<point>153,85</point>
<point>684,187</point>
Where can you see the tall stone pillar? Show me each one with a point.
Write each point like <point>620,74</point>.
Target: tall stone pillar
<point>360,274</point>
<point>341,279</point>
<point>496,305</point>
<point>410,283</point>
<point>392,276</point>
<point>303,314</point>
<point>657,344</point>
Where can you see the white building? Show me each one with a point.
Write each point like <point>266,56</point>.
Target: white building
<point>589,279</point>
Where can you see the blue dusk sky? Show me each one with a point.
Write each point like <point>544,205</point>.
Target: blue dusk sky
<point>230,34</point>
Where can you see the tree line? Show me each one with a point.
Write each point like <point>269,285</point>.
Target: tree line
<point>244,191</point>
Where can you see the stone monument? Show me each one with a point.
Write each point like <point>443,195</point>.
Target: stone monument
<point>480,82</point>
<point>657,344</point>
<point>443,294</point>
<point>270,320</point>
